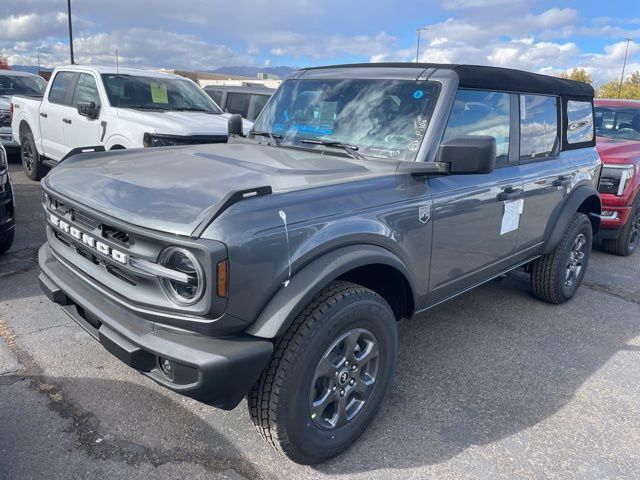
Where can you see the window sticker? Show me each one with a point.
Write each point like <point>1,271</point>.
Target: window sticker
<point>159,93</point>
<point>328,111</point>
<point>523,108</point>
<point>418,94</point>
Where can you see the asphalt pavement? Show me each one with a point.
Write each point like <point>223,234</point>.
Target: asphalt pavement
<point>493,384</point>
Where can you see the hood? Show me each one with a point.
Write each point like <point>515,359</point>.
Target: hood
<point>175,189</point>
<point>615,150</point>
<point>181,123</point>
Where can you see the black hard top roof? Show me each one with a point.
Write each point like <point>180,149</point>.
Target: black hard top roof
<point>491,78</point>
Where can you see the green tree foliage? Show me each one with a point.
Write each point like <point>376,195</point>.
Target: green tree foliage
<point>630,88</point>
<point>579,74</point>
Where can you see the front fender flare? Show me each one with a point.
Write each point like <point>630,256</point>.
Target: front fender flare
<point>291,299</point>
<point>562,217</point>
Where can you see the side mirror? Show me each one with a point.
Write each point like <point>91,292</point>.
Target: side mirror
<point>235,125</point>
<point>89,109</point>
<point>469,154</point>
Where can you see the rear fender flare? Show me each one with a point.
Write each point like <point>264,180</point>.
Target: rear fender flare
<point>291,299</point>
<point>561,219</point>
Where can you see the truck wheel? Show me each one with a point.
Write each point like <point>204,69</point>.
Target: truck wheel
<point>556,276</point>
<point>31,161</point>
<point>6,240</point>
<point>328,375</point>
<point>629,237</point>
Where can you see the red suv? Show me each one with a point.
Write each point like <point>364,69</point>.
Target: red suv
<point>618,143</point>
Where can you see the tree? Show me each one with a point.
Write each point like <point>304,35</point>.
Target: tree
<point>579,74</point>
<point>630,88</point>
<point>4,64</point>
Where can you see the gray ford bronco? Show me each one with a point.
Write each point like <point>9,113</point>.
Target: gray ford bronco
<point>275,267</point>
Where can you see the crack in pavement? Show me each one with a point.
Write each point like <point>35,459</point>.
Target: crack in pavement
<point>26,258</point>
<point>614,290</point>
<point>85,426</point>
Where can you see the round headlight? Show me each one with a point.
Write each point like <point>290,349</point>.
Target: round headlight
<point>182,261</point>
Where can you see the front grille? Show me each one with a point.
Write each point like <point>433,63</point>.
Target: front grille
<point>118,236</point>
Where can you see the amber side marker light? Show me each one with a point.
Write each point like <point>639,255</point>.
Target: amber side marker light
<point>223,278</point>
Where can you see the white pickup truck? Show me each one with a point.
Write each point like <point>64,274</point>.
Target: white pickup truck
<point>88,106</point>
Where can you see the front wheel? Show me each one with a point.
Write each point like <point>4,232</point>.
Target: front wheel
<point>629,237</point>
<point>328,375</point>
<point>556,276</point>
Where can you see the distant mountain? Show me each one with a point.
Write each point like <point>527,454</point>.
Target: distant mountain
<point>253,71</point>
<point>29,68</point>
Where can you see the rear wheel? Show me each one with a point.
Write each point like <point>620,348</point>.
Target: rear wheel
<point>6,240</point>
<point>31,160</point>
<point>556,276</point>
<point>328,376</point>
<point>629,237</point>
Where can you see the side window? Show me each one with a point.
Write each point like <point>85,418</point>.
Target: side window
<point>478,112</point>
<point>580,121</point>
<point>86,90</point>
<point>538,127</point>
<point>60,86</point>
<point>259,101</point>
<point>216,95</point>
<point>238,103</point>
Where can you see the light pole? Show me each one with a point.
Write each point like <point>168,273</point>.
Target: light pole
<point>418,45</point>
<point>624,64</point>
<point>70,31</point>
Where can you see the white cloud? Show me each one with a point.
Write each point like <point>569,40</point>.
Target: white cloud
<point>30,26</point>
<point>137,47</point>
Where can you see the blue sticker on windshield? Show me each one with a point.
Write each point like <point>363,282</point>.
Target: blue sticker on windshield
<point>418,94</point>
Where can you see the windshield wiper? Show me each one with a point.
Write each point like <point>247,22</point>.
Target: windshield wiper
<point>193,109</point>
<point>142,107</point>
<point>273,136</point>
<point>352,150</point>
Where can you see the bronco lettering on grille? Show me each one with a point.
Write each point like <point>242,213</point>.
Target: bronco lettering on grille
<point>88,240</point>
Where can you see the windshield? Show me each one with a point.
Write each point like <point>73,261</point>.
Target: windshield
<point>22,85</point>
<point>381,118</point>
<point>156,93</point>
<point>618,122</point>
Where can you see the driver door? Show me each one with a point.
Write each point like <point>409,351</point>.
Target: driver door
<point>83,131</point>
<point>470,238</point>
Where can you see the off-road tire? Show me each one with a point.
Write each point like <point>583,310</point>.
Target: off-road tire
<point>6,240</point>
<point>278,402</point>
<point>31,159</point>
<point>623,245</point>
<point>548,272</point>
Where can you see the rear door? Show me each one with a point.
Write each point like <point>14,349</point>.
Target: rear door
<point>471,239</point>
<point>54,111</point>
<point>83,131</point>
<point>547,179</point>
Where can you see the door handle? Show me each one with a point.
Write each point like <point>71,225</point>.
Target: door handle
<point>67,121</point>
<point>510,193</point>
<point>43,115</point>
<point>562,181</point>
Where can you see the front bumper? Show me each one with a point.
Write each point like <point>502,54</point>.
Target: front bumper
<point>215,371</point>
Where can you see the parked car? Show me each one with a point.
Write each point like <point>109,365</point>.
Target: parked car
<point>16,83</point>
<point>247,101</point>
<point>7,204</point>
<point>277,267</point>
<point>87,106</point>
<point>618,131</point>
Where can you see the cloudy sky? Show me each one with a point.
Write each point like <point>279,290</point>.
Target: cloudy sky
<point>205,34</point>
